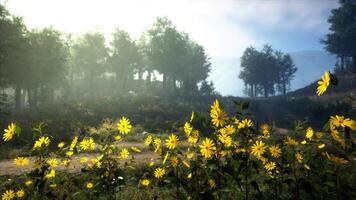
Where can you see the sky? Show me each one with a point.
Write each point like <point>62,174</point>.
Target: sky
<point>224,27</point>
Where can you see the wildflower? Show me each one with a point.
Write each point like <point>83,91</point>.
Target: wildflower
<point>187,128</point>
<point>246,123</point>
<point>321,146</point>
<point>118,137</point>
<point>20,193</point>
<point>174,161</point>
<point>324,83</point>
<point>228,130</point>
<point>53,185</point>
<point>51,174</point>
<point>265,130</point>
<point>270,166</point>
<point>258,149</point>
<point>211,183</point>
<point>87,144</point>
<point>190,155</point>
<point>148,140</point>
<point>39,163</point>
<point>159,172</point>
<point>124,153</point>
<point>28,183</point>
<point>65,162</point>
<point>343,122</point>
<point>216,105</point>
<point>275,151</point>
<point>10,132</point>
<point>189,176</point>
<point>8,195</point>
<point>124,126</point>
<point>135,149</point>
<point>172,141</point>
<point>73,143</point>
<point>157,143</point>
<point>299,157</point>
<point>194,137</point>
<point>41,142</point>
<point>337,159</point>
<point>309,133</point>
<point>207,148</point>
<point>21,161</point>
<point>69,153</point>
<point>145,182</point>
<point>52,162</point>
<point>83,160</point>
<point>225,139</point>
<point>89,185</point>
<point>218,117</point>
<point>290,141</point>
<point>61,145</point>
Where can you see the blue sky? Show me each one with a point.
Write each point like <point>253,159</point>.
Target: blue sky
<point>224,27</point>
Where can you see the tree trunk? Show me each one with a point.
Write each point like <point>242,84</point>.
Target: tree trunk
<point>18,97</point>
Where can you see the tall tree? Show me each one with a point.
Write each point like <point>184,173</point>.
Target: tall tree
<point>342,37</point>
<point>89,58</point>
<point>286,70</point>
<point>125,58</point>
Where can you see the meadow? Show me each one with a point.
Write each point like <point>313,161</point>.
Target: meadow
<point>233,159</point>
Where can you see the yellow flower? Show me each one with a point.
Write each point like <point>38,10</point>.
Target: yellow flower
<point>135,149</point>
<point>118,137</point>
<point>194,137</point>
<point>174,161</point>
<point>148,140</point>
<point>8,195</point>
<point>65,162</point>
<point>306,167</point>
<point>321,146</point>
<point>157,144</point>
<point>10,132</point>
<point>69,153</point>
<point>51,174</point>
<point>227,130</point>
<point>187,128</point>
<point>53,185</point>
<point>73,143</point>
<point>275,151</point>
<point>83,160</point>
<point>324,83</point>
<point>246,123</point>
<point>41,142</point>
<point>21,161</point>
<point>61,145</point>
<point>207,148</point>
<point>225,139</point>
<point>159,172</point>
<point>309,133</point>
<point>20,193</point>
<point>338,160</point>
<point>39,163</point>
<point>189,176</point>
<point>265,130</point>
<point>145,182</point>
<point>29,182</point>
<point>172,141</point>
<point>299,157</point>
<point>270,166</point>
<point>124,125</point>
<point>216,105</point>
<point>89,185</point>
<point>211,183</point>
<point>52,162</point>
<point>124,153</point>
<point>258,149</point>
<point>218,117</point>
<point>87,144</point>
<point>343,122</point>
<point>290,141</point>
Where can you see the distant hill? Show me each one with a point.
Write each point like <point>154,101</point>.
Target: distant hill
<point>311,65</point>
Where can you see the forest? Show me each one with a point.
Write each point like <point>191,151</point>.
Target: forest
<point>92,116</point>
